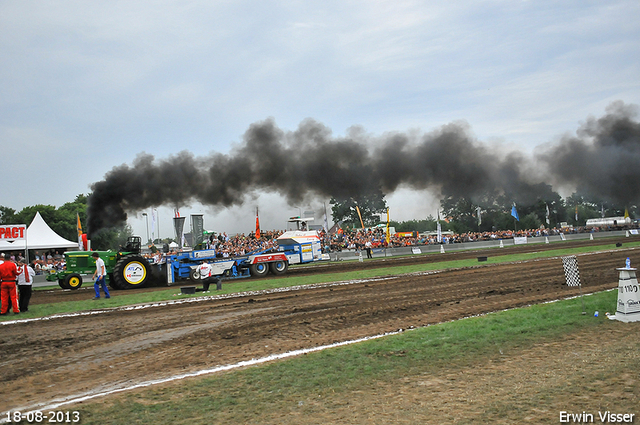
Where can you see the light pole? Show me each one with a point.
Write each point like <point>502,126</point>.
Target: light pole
<point>147,217</point>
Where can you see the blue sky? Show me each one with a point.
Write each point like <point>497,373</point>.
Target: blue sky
<point>86,86</point>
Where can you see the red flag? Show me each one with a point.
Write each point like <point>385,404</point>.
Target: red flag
<point>257,225</point>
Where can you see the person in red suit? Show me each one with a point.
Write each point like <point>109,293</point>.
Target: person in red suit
<point>8,277</point>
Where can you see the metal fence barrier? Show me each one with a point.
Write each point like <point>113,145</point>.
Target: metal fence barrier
<point>354,254</point>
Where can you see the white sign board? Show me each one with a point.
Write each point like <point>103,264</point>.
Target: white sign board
<point>13,237</point>
<point>13,232</point>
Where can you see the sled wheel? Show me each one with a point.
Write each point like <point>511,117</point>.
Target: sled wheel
<point>279,267</point>
<point>259,269</point>
<point>194,275</point>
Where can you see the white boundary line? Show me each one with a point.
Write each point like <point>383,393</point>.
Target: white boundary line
<point>56,403</point>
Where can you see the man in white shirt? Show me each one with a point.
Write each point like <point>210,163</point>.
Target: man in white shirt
<point>100,272</point>
<point>367,247</point>
<point>205,271</point>
<point>25,282</point>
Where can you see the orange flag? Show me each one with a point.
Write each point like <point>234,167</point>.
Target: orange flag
<point>257,225</point>
<point>80,244</point>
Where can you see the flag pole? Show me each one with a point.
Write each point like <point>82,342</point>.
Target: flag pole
<point>360,215</point>
<point>438,228</point>
<point>257,224</point>
<point>387,236</point>
<point>584,310</point>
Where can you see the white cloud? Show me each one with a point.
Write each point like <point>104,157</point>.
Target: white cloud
<point>123,77</point>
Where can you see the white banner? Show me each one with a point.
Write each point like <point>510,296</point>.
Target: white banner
<point>519,240</point>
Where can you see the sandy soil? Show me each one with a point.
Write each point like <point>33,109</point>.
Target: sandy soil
<point>50,359</point>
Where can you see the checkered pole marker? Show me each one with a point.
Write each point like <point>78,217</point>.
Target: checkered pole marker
<point>572,275</point>
<point>571,270</point>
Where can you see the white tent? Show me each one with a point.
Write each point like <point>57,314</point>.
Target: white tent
<point>39,236</point>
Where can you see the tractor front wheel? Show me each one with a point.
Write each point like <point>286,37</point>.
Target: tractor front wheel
<point>70,281</point>
<point>73,281</point>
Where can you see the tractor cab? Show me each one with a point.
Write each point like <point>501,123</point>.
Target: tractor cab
<point>134,244</point>
<point>300,223</point>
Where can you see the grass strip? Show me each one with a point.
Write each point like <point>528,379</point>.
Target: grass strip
<point>321,381</point>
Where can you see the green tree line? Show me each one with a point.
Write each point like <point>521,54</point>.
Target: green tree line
<point>461,215</point>
<point>63,221</point>
<point>484,214</point>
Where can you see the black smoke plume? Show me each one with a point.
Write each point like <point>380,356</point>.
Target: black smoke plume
<point>604,158</point>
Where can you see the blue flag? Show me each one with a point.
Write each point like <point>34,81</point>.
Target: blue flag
<point>514,213</point>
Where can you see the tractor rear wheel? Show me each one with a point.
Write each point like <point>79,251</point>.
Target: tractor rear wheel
<point>279,267</point>
<point>131,271</point>
<point>259,269</point>
<point>112,282</point>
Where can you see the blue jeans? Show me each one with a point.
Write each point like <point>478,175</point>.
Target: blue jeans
<point>100,282</point>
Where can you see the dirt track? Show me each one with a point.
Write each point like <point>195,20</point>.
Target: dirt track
<point>51,359</point>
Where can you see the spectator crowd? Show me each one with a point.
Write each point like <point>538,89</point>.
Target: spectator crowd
<point>241,244</point>
<point>43,262</point>
<point>376,237</point>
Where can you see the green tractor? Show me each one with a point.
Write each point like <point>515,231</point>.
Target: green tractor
<point>126,269</point>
